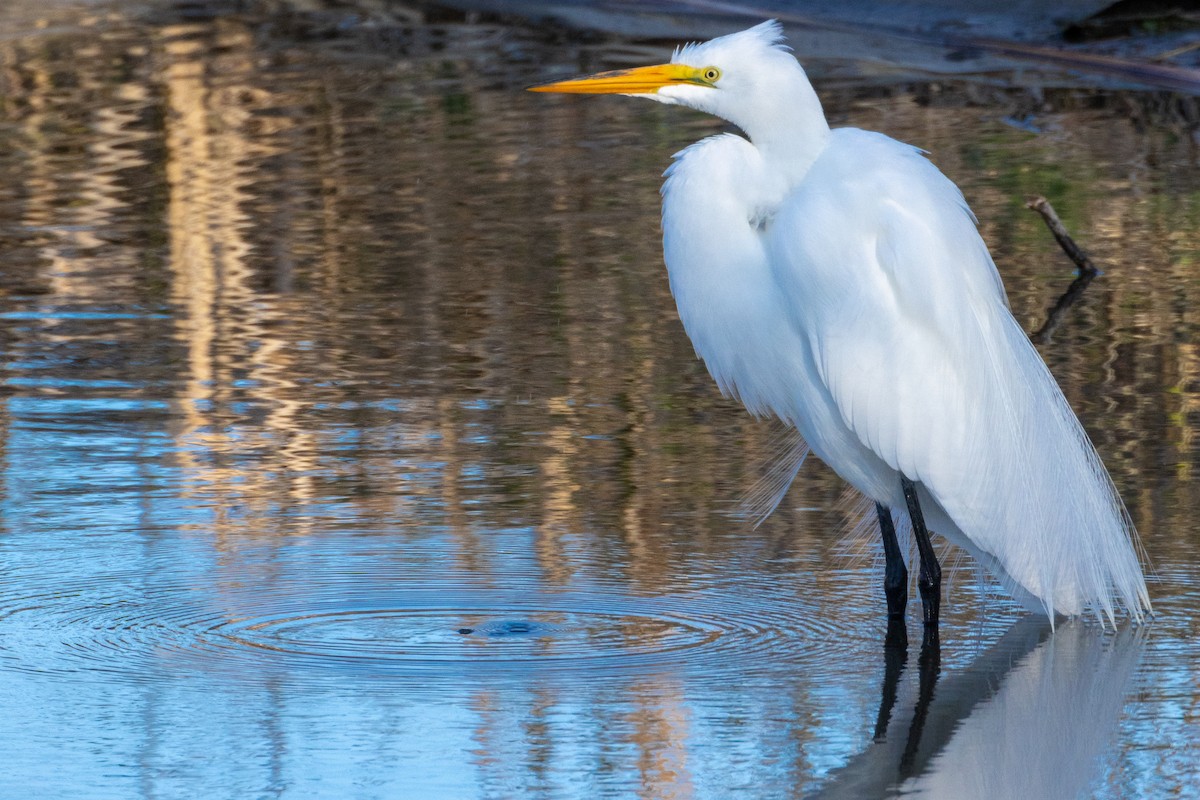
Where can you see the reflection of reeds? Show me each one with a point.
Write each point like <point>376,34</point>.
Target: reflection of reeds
<point>400,293</point>
<point>234,355</point>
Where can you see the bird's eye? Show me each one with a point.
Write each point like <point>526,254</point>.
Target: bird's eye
<point>711,74</point>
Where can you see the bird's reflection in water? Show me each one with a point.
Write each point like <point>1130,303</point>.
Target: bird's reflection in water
<point>1026,719</point>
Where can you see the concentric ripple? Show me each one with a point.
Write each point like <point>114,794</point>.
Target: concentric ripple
<point>489,631</point>
<point>495,633</point>
<point>447,633</point>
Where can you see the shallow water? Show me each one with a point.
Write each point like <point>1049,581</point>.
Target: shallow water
<point>351,446</point>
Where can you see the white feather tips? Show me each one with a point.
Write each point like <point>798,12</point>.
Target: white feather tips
<point>768,491</point>
<point>765,35</point>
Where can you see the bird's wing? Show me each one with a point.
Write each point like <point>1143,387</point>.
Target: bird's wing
<point>891,284</point>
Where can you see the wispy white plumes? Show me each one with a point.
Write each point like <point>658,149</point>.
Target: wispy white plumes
<point>767,492</point>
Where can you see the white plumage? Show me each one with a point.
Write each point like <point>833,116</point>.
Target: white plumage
<point>836,279</point>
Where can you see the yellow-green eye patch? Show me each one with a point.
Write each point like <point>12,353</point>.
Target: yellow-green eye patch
<point>710,74</point>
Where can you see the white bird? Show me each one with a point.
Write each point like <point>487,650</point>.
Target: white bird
<point>836,280</point>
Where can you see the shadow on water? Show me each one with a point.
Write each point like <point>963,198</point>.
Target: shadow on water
<point>1028,717</point>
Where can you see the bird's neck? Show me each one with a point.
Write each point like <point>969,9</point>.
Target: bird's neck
<point>793,134</point>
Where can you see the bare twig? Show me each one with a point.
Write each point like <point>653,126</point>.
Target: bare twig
<point>1087,270</point>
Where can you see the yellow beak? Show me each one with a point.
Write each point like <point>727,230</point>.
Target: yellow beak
<point>642,80</point>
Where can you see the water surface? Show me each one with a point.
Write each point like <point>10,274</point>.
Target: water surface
<point>350,445</point>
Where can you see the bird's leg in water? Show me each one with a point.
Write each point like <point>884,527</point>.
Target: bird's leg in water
<point>895,646</point>
<point>929,581</point>
<point>895,578</point>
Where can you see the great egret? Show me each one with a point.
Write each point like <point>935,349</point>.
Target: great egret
<point>836,279</point>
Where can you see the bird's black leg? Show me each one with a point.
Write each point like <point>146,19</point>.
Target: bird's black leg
<point>895,646</point>
<point>895,578</point>
<point>929,581</point>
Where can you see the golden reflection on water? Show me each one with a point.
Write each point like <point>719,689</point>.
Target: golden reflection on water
<point>387,293</point>
<point>216,143</point>
<point>462,184</point>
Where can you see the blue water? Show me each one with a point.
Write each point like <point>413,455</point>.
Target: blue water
<point>350,447</point>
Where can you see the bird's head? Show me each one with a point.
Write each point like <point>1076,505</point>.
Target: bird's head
<point>749,78</point>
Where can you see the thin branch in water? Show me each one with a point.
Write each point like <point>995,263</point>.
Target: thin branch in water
<point>1087,270</point>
